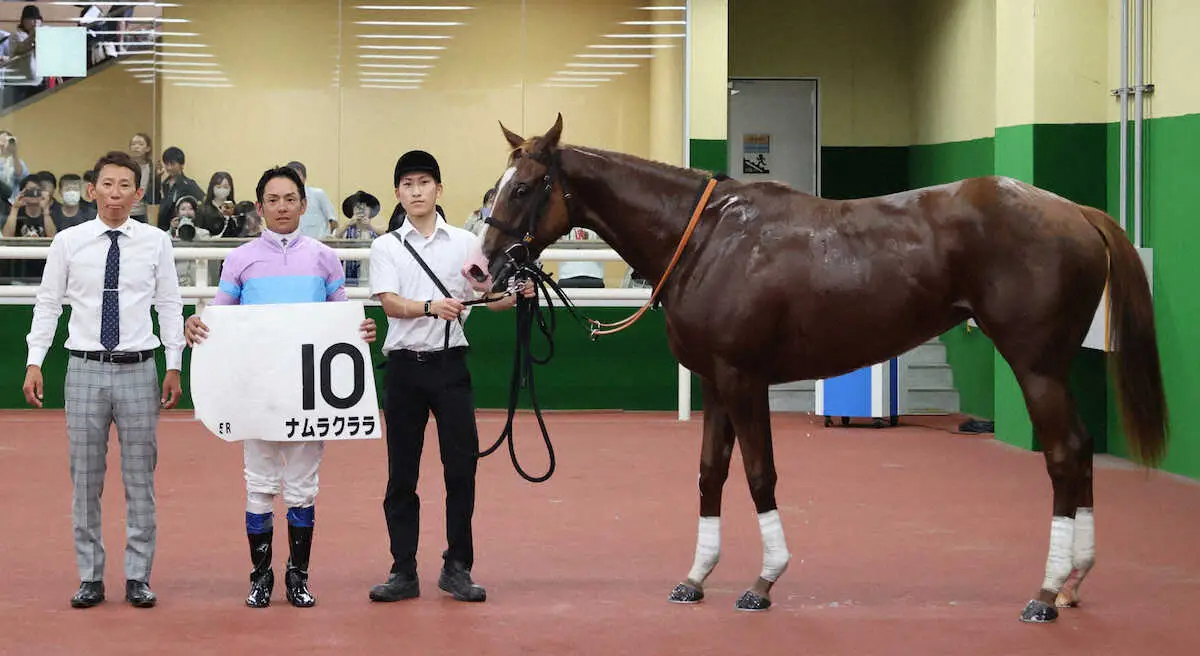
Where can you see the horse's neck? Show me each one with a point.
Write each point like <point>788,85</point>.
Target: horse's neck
<point>638,208</point>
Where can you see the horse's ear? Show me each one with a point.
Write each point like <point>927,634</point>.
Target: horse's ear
<point>515,140</point>
<point>550,140</point>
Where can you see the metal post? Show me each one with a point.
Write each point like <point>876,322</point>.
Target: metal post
<point>1139,83</point>
<point>1123,95</point>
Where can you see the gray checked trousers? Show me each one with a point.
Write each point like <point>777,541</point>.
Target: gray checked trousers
<point>97,395</point>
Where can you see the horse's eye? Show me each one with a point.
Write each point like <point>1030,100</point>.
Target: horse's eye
<point>521,190</point>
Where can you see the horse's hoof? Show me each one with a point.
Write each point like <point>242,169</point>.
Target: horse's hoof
<point>1038,612</point>
<point>686,594</point>
<point>752,601</point>
<point>1067,598</point>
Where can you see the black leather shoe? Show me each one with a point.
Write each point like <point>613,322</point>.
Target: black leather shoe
<point>89,594</point>
<point>261,585</point>
<point>456,579</point>
<point>397,588</point>
<point>138,593</point>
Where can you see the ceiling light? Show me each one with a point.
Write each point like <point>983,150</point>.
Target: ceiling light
<point>629,46</point>
<point>388,86</point>
<point>654,22</point>
<point>373,47</point>
<point>393,74</point>
<point>672,35</point>
<point>570,86</point>
<point>403,36</point>
<point>416,7</point>
<point>397,56</point>
<point>663,8</point>
<point>395,65</point>
<point>592,72</point>
<point>174,44</point>
<point>615,56</point>
<point>409,23</point>
<point>573,80</point>
<point>591,65</point>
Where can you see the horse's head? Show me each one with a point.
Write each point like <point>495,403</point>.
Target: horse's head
<point>529,211</point>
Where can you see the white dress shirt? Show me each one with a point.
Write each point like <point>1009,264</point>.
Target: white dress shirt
<point>395,270</point>
<point>75,273</point>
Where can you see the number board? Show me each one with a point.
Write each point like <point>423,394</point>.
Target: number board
<point>285,372</point>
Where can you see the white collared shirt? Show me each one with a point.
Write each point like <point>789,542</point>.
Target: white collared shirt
<point>395,270</point>
<point>75,273</point>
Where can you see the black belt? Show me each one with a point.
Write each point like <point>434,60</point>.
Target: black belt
<point>115,357</point>
<point>427,356</point>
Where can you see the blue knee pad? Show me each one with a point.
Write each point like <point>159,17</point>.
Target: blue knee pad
<point>301,517</point>
<point>257,524</point>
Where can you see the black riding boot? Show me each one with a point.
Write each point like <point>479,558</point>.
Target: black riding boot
<point>296,579</point>
<point>262,578</point>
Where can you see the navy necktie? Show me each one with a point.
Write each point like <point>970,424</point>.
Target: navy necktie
<point>110,311</point>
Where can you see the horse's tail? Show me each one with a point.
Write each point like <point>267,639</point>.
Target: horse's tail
<point>1134,343</point>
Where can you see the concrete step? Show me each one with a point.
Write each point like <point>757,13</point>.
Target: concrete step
<point>929,401</point>
<point>926,376</point>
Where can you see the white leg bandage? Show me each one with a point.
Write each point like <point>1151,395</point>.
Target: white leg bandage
<point>1083,549</point>
<point>708,549</point>
<point>1058,563</point>
<point>775,552</point>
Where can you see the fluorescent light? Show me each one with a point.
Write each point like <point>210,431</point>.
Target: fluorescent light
<point>425,57</point>
<point>395,65</point>
<point>654,22</point>
<point>629,46</point>
<point>186,54</point>
<point>622,56</point>
<point>193,79</point>
<point>172,44</point>
<point>388,86</point>
<point>215,85</point>
<point>372,47</point>
<point>573,80</point>
<point>393,74</point>
<point>134,19</point>
<point>409,23</point>
<point>416,7</point>
<point>591,65</point>
<point>590,73</point>
<point>557,85</point>
<point>403,36</point>
<point>672,35</point>
<point>663,8</point>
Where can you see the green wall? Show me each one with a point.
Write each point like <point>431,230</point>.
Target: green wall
<point>633,370</point>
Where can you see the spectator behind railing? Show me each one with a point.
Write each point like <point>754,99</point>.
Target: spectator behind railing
<point>49,183</point>
<point>12,171</point>
<point>216,213</point>
<point>28,218</point>
<point>70,212</point>
<point>89,200</point>
<point>24,80</point>
<point>140,148</point>
<point>359,208</point>
<point>175,185</point>
<point>318,220</point>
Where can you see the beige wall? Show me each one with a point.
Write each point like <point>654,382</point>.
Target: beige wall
<point>67,131</point>
<point>285,104</point>
<point>1172,51</point>
<point>954,70</point>
<point>860,49</point>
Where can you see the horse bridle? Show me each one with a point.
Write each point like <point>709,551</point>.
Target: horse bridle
<point>521,246</point>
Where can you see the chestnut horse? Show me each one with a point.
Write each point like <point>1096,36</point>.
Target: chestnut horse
<point>775,285</point>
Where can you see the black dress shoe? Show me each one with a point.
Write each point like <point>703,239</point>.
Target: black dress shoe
<point>397,588</point>
<point>89,594</point>
<point>138,593</point>
<point>456,579</point>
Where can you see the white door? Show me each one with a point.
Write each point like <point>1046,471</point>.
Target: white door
<point>773,132</point>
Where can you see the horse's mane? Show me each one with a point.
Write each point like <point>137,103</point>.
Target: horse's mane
<point>639,164</point>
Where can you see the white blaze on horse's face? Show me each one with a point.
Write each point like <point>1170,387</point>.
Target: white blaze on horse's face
<point>503,186</point>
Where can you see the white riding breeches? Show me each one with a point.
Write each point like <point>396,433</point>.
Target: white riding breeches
<point>287,468</point>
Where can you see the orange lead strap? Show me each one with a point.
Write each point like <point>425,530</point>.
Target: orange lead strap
<point>618,326</point>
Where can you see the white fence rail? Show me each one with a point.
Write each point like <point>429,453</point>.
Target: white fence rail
<point>203,291</point>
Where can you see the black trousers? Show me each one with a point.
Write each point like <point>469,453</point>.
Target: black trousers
<point>414,389</point>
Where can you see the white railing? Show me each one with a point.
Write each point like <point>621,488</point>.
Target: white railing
<point>202,291</point>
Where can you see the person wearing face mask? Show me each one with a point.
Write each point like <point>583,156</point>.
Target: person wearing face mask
<point>281,266</point>
<point>70,212</point>
<point>216,214</point>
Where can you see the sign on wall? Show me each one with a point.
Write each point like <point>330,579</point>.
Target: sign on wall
<point>756,153</point>
<point>287,372</point>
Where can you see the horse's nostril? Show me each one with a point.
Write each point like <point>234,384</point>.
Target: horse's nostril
<point>477,273</point>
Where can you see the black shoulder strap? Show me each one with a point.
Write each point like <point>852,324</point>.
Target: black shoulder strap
<point>432,276</point>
